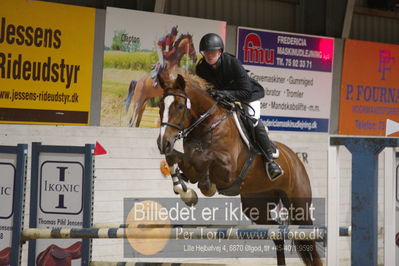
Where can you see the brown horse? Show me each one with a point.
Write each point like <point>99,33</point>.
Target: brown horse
<point>143,89</point>
<point>214,154</point>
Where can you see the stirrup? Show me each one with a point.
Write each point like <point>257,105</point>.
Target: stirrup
<point>273,178</point>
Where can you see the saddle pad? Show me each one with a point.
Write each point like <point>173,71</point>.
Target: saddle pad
<point>245,135</point>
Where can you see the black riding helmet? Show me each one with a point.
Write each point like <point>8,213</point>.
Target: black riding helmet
<point>211,41</point>
<point>174,30</point>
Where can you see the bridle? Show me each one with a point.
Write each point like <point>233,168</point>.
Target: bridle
<point>177,126</point>
<point>184,132</point>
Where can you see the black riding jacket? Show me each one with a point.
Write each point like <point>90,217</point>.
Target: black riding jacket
<point>230,76</point>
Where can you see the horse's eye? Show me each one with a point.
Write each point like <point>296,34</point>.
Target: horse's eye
<point>180,106</point>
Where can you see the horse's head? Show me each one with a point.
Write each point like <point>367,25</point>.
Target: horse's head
<point>185,45</point>
<point>174,112</point>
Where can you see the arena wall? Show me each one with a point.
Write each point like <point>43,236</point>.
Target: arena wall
<point>131,169</point>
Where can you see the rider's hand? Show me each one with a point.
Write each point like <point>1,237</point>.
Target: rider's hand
<point>220,95</point>
<point>212,92</point>
<point>227,95</point>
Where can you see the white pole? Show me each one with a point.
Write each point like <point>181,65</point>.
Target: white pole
<point>333,207</point>
<point>389,206</point>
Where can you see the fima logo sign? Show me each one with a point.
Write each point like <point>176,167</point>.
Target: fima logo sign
<point>61,185</point>
<point>284,50</point>
<point>254,51</point>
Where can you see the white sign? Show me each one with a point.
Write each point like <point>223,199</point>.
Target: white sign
<point>7,176</point>
<point>60,197</point>
<point>7,183</point>
<point>296,73</point>
<point>61,185</point>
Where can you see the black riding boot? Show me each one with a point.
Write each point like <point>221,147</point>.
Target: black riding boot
<point>274,170</point>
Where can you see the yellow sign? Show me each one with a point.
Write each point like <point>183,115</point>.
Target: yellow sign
<point>46,53</point>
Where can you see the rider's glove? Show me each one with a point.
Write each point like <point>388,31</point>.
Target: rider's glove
<point>227,96</point>
<point>220,95</point>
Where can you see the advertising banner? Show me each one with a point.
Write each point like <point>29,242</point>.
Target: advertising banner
<point>46,53</point>
<point>217,228</point>
<point>7,187</point>
<point>369,89</point>
<point>138,46</point>
<point>62,199</point>
<point>295,71</point>
<point>12,193</point>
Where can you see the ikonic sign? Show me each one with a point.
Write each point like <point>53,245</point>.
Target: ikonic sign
<point>7,175</point>
<point>61,187</point>
<point>62,177</point>
<point>7,182</point>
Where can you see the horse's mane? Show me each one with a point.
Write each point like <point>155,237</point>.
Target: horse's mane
<point>192,80</point>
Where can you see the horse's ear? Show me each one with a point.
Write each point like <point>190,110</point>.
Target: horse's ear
<point>180,83</point>
<point>161,81</point>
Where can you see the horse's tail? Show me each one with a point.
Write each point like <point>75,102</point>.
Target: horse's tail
<point>128,99</point>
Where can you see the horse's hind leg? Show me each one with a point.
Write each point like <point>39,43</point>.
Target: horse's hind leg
<point>262,202</point>
<point>280,252</point>
<point>306,249</point>
<point>138,102</point>
<point>140,111</point>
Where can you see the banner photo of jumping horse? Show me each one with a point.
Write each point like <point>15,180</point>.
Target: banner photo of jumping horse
<point>296,72</point>
<point>138,46</point>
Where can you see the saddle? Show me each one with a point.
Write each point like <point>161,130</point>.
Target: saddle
<point>56,256</point>
<point>244,122</point>
<point>5,256</point>
<point>245,125</point>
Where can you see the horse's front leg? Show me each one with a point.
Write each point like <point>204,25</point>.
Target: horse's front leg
<point>171,169</point>
<point>204,183</point>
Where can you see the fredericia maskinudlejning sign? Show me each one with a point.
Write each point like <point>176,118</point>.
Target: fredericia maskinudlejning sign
<point>296,72</point>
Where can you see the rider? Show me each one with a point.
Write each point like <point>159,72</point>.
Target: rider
<point>165,45</point>
<point>164,50</point>
<point>228,76</point>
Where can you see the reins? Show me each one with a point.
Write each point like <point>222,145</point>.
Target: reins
<point>184,132</point>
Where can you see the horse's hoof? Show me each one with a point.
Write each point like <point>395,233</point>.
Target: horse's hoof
<point>190,197</point>
<point>213,190</point>
<point>209,192</point>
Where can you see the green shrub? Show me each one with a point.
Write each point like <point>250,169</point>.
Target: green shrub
<point>134,61</point>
